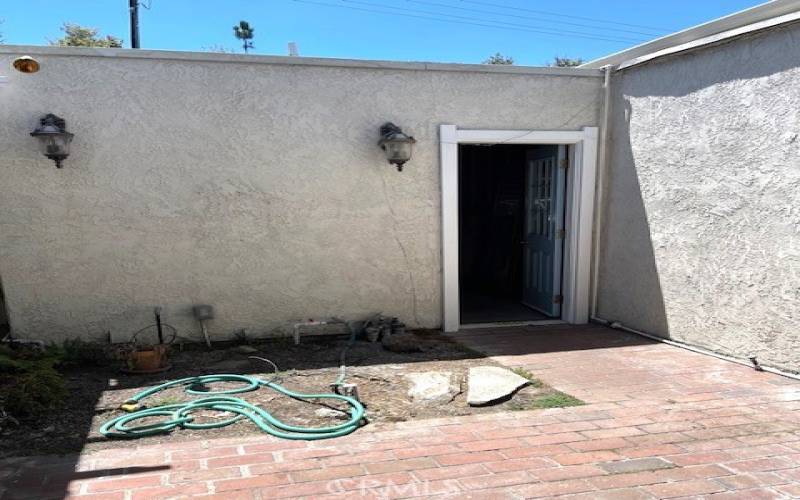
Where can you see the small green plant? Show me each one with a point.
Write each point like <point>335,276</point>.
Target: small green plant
<point>240,337</point>
<point>522,372</point>
<point>77,352</point>
<point>550,399</point>
<point>556,400</point>
<point>166,401</point>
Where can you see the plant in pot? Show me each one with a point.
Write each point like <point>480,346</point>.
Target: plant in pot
<point>151,357</point>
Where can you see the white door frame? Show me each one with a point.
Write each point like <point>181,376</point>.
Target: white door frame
<point>579,212</point>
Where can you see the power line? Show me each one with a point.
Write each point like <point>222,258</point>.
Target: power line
<point>533,18</point>
<point>569,16</point>
<point>518,25</point>
<point>481,24</point>
<point>467,18</point>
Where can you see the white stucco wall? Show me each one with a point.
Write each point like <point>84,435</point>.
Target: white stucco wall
<point>702,223</point>
<point>248,183</point>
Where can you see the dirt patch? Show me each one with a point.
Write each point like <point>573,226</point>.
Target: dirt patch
<point>95,393</point>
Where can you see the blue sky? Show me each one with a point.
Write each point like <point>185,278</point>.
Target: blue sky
<point>467,31</point>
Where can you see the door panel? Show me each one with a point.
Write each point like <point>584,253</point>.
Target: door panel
<point>544,231</point>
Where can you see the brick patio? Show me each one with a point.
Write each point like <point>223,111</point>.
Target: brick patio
<point>660,422</point>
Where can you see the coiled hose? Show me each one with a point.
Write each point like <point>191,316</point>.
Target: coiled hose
<point>180,415</point>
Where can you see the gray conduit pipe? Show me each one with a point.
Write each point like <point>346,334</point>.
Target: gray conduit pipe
<point>619,326</point>
<point>605,137</point>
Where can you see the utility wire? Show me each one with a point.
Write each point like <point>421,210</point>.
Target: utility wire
<point>568,16</point>
<point>534,18</point>
<point>485,25</point>
<point>506,23</point>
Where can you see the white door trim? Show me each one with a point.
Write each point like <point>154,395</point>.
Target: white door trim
<point>580,212</point>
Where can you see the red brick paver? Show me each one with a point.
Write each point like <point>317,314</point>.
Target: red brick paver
<point>660,422</point>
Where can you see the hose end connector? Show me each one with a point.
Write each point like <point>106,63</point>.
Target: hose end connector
<point>349,390</point>
<point>130,406</point>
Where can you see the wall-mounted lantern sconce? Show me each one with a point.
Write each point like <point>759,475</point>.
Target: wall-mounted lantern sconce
<point>54,138</point>
<point>26,64</point>
<point>397,145</point>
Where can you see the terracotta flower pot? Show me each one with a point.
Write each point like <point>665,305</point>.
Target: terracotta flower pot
<point>148,359</point>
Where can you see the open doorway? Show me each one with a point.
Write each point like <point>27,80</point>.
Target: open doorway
<point>511,228</point>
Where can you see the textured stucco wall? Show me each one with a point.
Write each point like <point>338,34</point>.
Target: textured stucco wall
<point>258,188</point>
<point>702,226</point>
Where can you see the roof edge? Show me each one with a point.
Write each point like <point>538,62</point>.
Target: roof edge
<point>710,32</point>
<point>291,60</point>
<point>726,36</point>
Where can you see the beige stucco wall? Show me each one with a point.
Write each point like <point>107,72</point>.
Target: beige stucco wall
<point>702,221</point>
<point>254,186</point>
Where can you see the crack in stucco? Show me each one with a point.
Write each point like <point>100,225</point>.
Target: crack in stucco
<point>409,269</point>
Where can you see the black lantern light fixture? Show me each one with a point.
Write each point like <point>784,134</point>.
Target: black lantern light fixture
<point>26,64</point>
<point>397,145</point>
<point>54,138</point>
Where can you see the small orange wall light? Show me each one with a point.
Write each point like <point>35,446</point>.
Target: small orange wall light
<point>54,138</point>
<point>26,64</point>
<point>397,145</point>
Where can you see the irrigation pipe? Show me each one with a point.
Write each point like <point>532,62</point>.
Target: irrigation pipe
<point>619,326</point>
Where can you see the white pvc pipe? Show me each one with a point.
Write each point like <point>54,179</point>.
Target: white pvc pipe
<point>7,339</point>
<point>619,326</point>
<point>600,190</point>
<point>39,343</point>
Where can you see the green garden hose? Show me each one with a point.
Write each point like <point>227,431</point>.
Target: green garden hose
<point>180,415</point>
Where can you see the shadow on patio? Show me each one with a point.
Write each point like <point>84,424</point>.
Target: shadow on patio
<point>545,339</point>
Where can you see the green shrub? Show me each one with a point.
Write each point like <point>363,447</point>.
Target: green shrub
<point>22,358</point>
<point>31,395</point>
<point>77,352</point>
<point>30,385</point>
<point>10,365</point>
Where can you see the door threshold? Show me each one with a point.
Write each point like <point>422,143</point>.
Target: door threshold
<point>533,322</point>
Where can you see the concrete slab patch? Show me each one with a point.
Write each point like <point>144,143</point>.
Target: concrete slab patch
<point>432,386</point>
<point>487,384</point>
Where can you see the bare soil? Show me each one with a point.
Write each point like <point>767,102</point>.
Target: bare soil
<point>95,393</point>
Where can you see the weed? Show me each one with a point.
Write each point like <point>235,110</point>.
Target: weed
<point>515,405</point>
<point>77,352</point>
<point>556,399</point>
<point>240,337</point>
<point>550,399</point>
<point>166,401</point>
<point>522,372</point>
